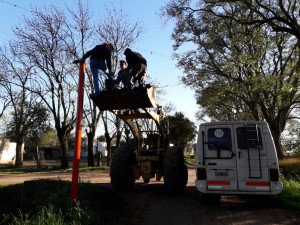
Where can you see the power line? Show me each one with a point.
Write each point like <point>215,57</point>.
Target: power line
<point>15,5</point>
<point>155,53</point>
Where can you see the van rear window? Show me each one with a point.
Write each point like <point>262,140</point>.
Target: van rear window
<point>219,138</point>
<point>248,137</point>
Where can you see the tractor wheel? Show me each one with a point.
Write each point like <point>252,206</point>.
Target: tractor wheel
<point>121,174</point>
<point>174,171</point>
<point>146,180</point>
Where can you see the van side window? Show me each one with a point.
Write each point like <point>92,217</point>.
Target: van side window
<point>219,138</point>
<point>247,137</point>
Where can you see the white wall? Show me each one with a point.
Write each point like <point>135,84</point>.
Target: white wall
<point>7,151</point>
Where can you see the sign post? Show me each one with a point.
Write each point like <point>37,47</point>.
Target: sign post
<point>77,147</point>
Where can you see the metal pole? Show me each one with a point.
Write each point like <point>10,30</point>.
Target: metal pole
<point>77,147</point>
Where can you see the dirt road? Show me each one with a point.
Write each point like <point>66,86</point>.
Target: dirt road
<point>151,206</point>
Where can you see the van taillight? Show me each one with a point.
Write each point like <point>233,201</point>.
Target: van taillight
<point>201,174</point>
<point>274,174</point>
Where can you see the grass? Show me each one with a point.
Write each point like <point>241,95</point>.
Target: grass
<point>290,163</point>
<point>8,169</point>
<point>48,202</point>
<point>290,196</point>
<point>290,168</point>
<point>290,177</point>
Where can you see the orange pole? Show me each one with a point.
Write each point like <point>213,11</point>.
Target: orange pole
<point>77,147</point>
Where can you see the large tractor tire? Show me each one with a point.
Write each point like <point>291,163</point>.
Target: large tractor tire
<point>121,175</point>
<point>175,172</point>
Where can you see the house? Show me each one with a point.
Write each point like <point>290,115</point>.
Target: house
<point>7,151</point>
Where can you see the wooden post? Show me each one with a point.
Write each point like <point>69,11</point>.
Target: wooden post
<point>77,147</point>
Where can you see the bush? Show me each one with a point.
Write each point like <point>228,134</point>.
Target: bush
<point>290,196</point>
<point>189,158</point>
<point>50,202</point>
<point>290,168</point>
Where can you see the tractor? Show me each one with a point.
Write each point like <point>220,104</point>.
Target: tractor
<point>148,154</point>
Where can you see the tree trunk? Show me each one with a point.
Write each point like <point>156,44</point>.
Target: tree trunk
<point>108,148</point>
<point>119,132</point>
<point>90,136</point>
<point>64,162</point>
<point>277,142</point>
<point>38,160</point>
<point>19,154</point>
<point>277,139</point>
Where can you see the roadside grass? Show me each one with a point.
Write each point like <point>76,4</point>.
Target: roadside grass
<point>290,168</point>
<point>290,177</point>
<point>290,196</point>
<point>49,202</point>
<point>8,169</point>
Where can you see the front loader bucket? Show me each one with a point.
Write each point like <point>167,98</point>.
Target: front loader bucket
<point>125,99</point>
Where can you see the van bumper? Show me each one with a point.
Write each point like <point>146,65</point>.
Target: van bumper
<point>275,189</point>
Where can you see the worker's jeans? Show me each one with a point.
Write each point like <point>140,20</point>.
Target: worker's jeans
<point>97,65</point>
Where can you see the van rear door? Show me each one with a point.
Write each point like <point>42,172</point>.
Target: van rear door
<point>251,156</point>
<point>219,157</point>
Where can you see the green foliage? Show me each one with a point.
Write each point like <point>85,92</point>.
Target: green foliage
<point>290,176</point>
<point>28,121</point>
<point>290,168</point>
<point>182,130</point>
<point>291,138</point>
<point>189,158</point>
<point>51,204</point>
<point>48,215</point>
<point>290,196</point>
<point>238,65</point>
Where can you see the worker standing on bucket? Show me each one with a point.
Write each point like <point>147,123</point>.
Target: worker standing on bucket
<point>100,58</point>
<point>122,74</point>
<point>137,66</point>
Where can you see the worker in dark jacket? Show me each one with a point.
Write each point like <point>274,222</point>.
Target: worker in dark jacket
<point>137,66</point>
<point>98,56</point>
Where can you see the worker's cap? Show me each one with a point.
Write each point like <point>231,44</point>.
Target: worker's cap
<point>127,51</point>
<point>112,47</point>
<point>122,61</point>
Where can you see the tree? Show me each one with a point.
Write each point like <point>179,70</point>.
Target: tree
<point>4,98</point>
<point>182,130</point>
<point>49,139</point>
<point>27,112</point>
<point>238,70</point>
<point>28,120</point>
<point>291,138</point>
<point>44,37</point>
<point>281,16</point>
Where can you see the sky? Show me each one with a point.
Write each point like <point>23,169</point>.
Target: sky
<point>155,44</point>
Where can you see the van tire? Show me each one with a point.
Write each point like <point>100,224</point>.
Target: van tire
<point>175,172</point>
<point>121,174</point>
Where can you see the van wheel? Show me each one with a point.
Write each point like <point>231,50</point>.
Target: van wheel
<point>175,172</point>
<point>121,174</point>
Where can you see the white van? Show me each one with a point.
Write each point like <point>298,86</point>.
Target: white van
<point>235,158</point>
